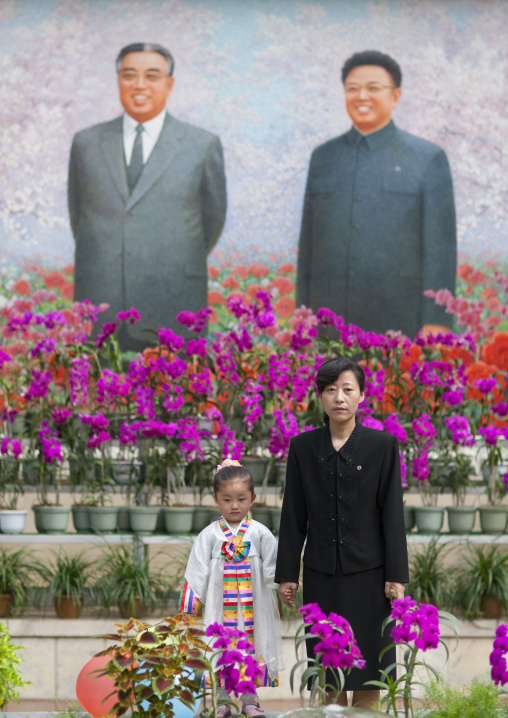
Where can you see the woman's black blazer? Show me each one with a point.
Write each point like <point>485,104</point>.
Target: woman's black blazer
<point>354,513</point>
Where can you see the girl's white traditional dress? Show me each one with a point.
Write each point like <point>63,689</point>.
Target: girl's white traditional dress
<point>232,575</point>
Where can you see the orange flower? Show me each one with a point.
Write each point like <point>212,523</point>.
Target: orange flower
<point>215,297</point>
<point>482,370</point>
<point>213,319</point>
<point>241,272</point>
<point>457,353</point>
<point>258,269</point>
<point>67,290</point>
<point>494,304</point>
<point>213,272</point>
<point>283,284</point>
<point>229,283</point>
<point>253,289</point>
<point>22,287</point>
<point>489,293</point>
<point>496,352</point>
<point>396,396</point>
<point>284,307</point>
<point>287,268</point>
<point>54,279</point>
<point>407,360</point>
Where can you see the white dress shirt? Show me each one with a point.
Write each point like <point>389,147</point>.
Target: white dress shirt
<point>152,130</point>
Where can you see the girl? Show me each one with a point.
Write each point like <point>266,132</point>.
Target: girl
<point>231,571</point>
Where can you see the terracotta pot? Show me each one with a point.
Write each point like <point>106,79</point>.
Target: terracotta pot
<point>65,607</point>
<point>492,607</point>
<point>126,612</point>
<point>6,601</point>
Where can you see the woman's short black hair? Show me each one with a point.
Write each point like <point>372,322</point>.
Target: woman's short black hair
<point>228,473</point>
<point>373,57</point>
<point>333,368</point>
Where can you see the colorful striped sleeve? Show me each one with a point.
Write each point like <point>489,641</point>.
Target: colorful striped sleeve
<point>189,602</point>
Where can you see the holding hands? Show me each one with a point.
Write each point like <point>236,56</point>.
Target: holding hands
<point>287,593</point>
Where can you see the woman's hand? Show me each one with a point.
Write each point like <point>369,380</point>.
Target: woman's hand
<point>287,593</point>
<point>394,590</point>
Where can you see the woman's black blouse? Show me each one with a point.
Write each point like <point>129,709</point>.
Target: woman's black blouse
<point>346,505</point>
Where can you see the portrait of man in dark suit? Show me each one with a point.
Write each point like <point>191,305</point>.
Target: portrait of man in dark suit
<point>147,202</point>
<point>378,225</point>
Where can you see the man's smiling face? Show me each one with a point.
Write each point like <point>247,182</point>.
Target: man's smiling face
<point>370,97</point>
<point>144,85</point>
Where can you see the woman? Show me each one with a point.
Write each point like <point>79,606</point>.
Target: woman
<point>343,496</point>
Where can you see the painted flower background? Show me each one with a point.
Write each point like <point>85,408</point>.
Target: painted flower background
<point>266,79</point>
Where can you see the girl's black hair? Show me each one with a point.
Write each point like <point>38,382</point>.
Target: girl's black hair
<point>228,473</point>
<point>330,371</point>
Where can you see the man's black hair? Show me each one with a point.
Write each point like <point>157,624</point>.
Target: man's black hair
<point>373,57</point>
<point>146,47</point>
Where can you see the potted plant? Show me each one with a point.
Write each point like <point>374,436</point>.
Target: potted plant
<point>18,571</point>
<point>128,581</point>
<point>12,520</point>
<point>429,517</point>
<point>10,675</point>
<point>483,581</point>
<point>480,697</point>
<point>431,580</point>
<point>456,475</point>
<point>494,517</point>
<point>67,577</point>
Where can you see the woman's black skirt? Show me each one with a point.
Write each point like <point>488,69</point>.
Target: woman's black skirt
<point>360,598</point>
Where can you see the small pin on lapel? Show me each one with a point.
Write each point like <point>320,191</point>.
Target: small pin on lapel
<point>358,468</point>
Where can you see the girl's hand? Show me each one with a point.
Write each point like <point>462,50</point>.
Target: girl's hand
<point>287,593</point>
<point>394,590</point>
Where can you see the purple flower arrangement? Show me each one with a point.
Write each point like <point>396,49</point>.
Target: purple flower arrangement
<point>336,651</point>
<point>499,670</point>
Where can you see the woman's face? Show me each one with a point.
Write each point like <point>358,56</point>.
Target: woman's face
<point>341,399</point>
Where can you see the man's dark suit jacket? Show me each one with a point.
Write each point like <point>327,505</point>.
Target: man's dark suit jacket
<point>378,229</point>
<point>147,250</point>
<point>357,517</point>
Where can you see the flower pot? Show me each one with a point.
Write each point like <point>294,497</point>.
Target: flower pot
<point>143,519</point>
<point>263,515</point>
<point>493,519</point>
<point>81,519</point>
<point>492,607</point>
<point>275,519</point>
<point>103,519</point>
<point>65,607</point>
<point>123,520</point>
<point>6,601</point>
<point>178,520</point>
<point>200,519</point>
<point>12,521</point>
<point>409,518</point>
<point>51,519</point>
<point>429,519</point>
<point>127,612</point>
<point>461,519</point>
<point>213,514</point>
<point>257,467</point>
<point>160,527</point>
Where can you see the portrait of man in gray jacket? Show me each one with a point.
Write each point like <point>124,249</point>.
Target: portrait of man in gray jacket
<point>378,225</point>
<point>147,202</point>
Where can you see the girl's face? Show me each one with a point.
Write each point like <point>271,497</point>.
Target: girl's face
<point>341,399</point>
<point>234,501</point>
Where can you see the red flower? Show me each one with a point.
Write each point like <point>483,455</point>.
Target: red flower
<point>67,290</point>
<point>253,289</point>
<point>284,307</point>
<point>215,297</point>
<point>258,269</point>
<point>496,352</point>
<point>229,283</point>
<point>482,370</point>
<point>241,272</point>
<point>283,284</point>
<point>213,272</point>
<point>287,268</point>
<point>68,269</point>
<point>54,278</point>
<point>22,287</point>
<point>470,274</point>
